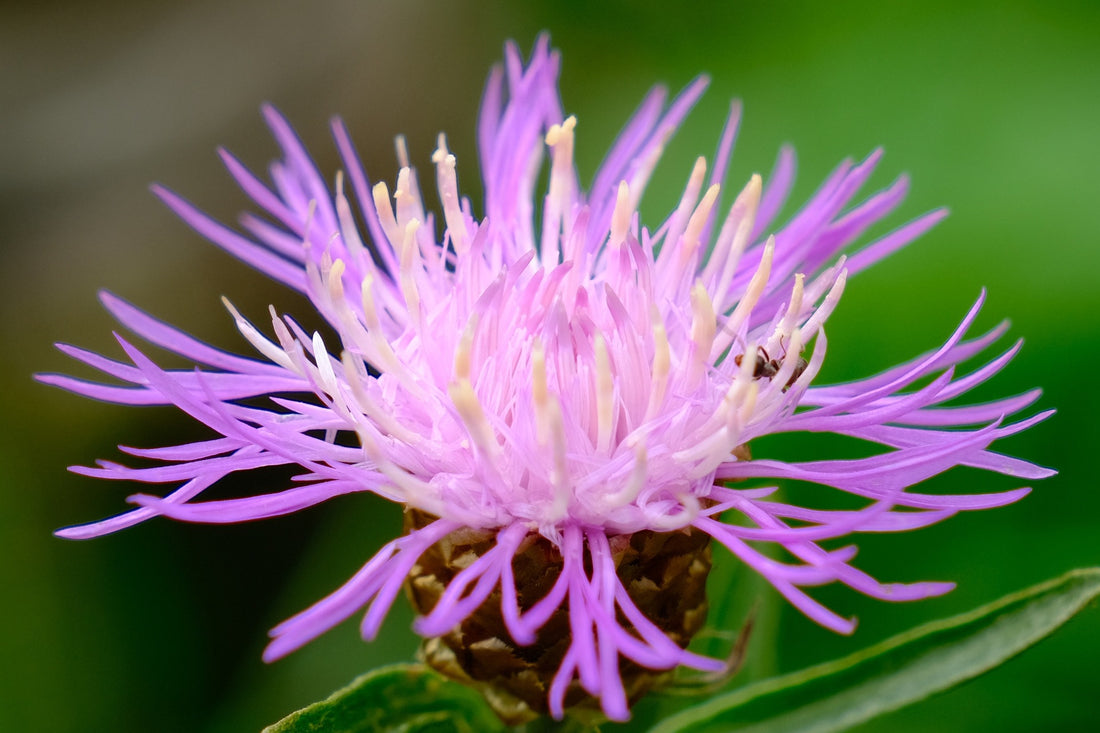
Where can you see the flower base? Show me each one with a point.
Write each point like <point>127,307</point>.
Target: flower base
<point>664,572</point>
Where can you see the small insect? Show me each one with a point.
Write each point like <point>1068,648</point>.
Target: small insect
<point>767,367</point>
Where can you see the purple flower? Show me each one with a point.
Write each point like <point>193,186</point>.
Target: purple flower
<point>557,380</point>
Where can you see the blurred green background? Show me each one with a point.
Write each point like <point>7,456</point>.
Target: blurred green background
<point>993,108</point>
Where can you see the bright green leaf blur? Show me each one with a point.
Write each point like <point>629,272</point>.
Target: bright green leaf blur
<point>931,658</point>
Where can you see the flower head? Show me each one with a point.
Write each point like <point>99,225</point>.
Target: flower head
<point>560,396</point>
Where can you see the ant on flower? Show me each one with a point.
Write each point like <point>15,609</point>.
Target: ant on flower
<point>767,367</point>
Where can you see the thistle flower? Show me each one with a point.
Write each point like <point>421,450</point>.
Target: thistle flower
<point>560,397</point>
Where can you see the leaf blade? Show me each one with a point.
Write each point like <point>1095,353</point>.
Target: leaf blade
<point>899,671</point>
<point>409,698</point>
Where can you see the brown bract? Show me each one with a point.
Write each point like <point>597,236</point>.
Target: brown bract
<point>664,572</point>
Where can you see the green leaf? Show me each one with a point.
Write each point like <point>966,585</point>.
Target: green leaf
<point>909,667</point>
<point>404,698</point>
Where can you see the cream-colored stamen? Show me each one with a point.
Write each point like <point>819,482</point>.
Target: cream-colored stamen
<point>605,395</point>
<point>620,217</point>
<point>401,148</point>
<point>473,417</point>
<point>692,235</point>
<point>787,325</point>
<point>409,261</point>
<point>539,394</point>
<point>703,328</point>
<point>556,224</point>
<point>326,374</point>
<point>662,359</point>
<point>349,232</point>
<point>251,334</point>
<point>747,302</point>
<point>635,482</point>
<point>688,199</point>
<point>732,240</point>
<point>447,182</point>
<point>381,195</point>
